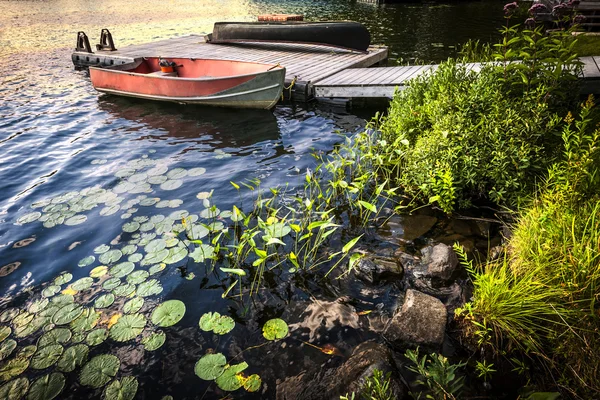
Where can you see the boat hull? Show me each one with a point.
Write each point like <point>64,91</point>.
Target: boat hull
<point>346,35</point>
<point>247,90</point>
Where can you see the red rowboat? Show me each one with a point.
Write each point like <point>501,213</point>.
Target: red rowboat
<point>221,83</point>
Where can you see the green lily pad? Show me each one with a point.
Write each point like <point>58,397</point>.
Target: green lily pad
<point>8,314</point>
<point>122,269</point>
<point>197,171</point>
<point>229,379</point>
<point>176,173</point>
<point>89,260</point>
<point>124,290</point>
<point>146,227</point>
<point>5,332</point>
<point>155,269</point>
<point>63,278</point>
<point>149,288</point>
<point>156,257</point>
<point>210,366</point>
<point>198,231</point>
<point>86,321</point>
<point>111,283</point>
<point>275,329</point>
<point>38,305</point>
<point>23,319</point>
<point>99,271</point>
<point>157,180</point>
<point>50,291</point>
<point>32,327</point>
<point>208,320</point>
<point>155,245</point>
<point>105,300</point>
<point>277,230</point>
<point>96,336</point>
<point>47,387</point>
<point>78,337</point>
<point>73,357</point>
<point>224,325</point>
<point>76,220</point>
<point>83,283</point>
<point>168,313</point>
<point>133,306</point>
<point>137,277</point>
<point>129,249</point>
<point>6,348</point>
<point>123,187</point>
<point>136,257</point>
<point>124,172</point>
<point>103,248</point>
<point>13,367</point>
<point>15,389</point>
<point>26,352</point>
<point>150,201</point>
<point>28,218</point>
<point>131,227</point>
<point>46,356</point>
<point>50,310</point>
<point>124,389</point>
<point>99,370</point>
<point>176,254</point>
<point>154,341</point>
<point>110,210</point>
<point>139,177</point>
<point>252,383</point>
<point>212,212</point>
<point>54,336</point>
<point>67,314</point>
<point>62,300</point>
<point>110,257</point>
<point>127,327</point>
<point>171,184</point>
<point>202,253</point>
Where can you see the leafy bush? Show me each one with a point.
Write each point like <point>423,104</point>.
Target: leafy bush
<point>438,375</point>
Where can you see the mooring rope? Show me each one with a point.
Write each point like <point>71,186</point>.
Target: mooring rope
<point>292,83</point>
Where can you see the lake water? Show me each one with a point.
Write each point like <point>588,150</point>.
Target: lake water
<point>76,166</point>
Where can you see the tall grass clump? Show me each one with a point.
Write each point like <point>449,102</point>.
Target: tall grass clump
<point>542,299</point>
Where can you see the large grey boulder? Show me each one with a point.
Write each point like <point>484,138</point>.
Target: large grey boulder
<point>439,262</point>
<point>420,321</point>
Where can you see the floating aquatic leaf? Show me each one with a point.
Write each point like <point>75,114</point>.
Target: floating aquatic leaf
<point>54,336</point>
<point>235,271</point>
<point>155,245</point>
<point>96,336</point>
<point>131,227</point>
<point>6,348</point>
<point>84,262</point>
<point>204,195</point>
<point>146,238</point>
<point>157,268</point>
<point>137,277</point>
<point>252,383</point>
<point>157,180</point>
<point>103,248</point>
<point>133,305</point>
<point>99,370</point>
<point>129,249</point>
<point>229,380</point>
<point>139,177</point>
<point>23,319</point>
<point>125,172</point>
<point>47,387</point>
<point>219,324</point>
<point>171,184</point>
<point>149,288</point>
<point>111,283</point>
<point>99,271</point>
<point>157,170</point>
<point>124,290</point>
<point>51,291</point>
<point>216,226</point>
<point>211,212</point>
<point>127,327</point>
<point>197,171</point>
<point>46,356</point>
<point>168,313</point>
<point>31,327</point>
<point>105,300</point>
<point>190,276</point>
<point>124,389</point>
<point>154,341</point>
<point>67,314</point>
<point>76,220</point>
<point>149,201</point>
<point>83,283</point>
<point>123,187</point>
<point>202,253</point>
<point>210,366</point>
<point>64,298</point>
<point>13,367</point>
<point>137,257</point>
<point>176,254</point>
<point>72,358</point>
<point>63,278</point>
<point>170,242</point>
<point>277,230</point>
<point>50,310</point>
<point>26,351</point>
<point>110,257</point>
<point>275,329</point>
<point>208,320</point>
<point>198,231</point>
<point>27,218</point>
<point>156,257</point>
<point>15,389</point>
<point>123,269</point>
<point>78,337</point>
<point>176,173</point>
<point>86,321</point>
<point>110,210</point>
<point>5,332</point>
<point>8,314</point>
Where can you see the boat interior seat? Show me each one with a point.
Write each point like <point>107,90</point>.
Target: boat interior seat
<point>160,73</point>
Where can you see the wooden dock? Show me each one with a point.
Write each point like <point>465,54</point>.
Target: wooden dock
<point>311,71</point>
<point>305,64</point>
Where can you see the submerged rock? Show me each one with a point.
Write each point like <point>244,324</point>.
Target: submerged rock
<point>420,321</point>
<point>407,227</point>
<point>377,269</point>
<point>347,378</point>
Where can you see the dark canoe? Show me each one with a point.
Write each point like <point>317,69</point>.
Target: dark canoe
<point>346,35</point>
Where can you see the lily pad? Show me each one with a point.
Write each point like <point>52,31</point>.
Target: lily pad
<point>46,356</point>
<point>47,387</point>
<point>103,248</point>
<point>131,227</point>
<point>62,300</point>
<point>14,390</point>
<point>111,283</point>
<point>171,184</point>
<point>275,329</point>
<point>28,218</point>
<point>150,201</point>
<point>155,269</point>
<point>127,327</point>
<point>137,277</point>
<point>136,257</point>
<point>210,366</point>
<point>99,271</point>
<point>122,269</point>
<point>202,253</point>
<point>219,324</point>
<point>197,171</point>
<point>23,319</point>
<point>54,336</point>
<point>176,254</point>
<point>124,389</point>
<point>110,257</point>
<point>124,172</point>
<point>154,341</point>
<point>155,245</point>
<point>63,278</point>
<point>83,283</point>
<point>229,379</point>
<point>252,383</point>
<point>84,262</point>
<point>99,370</point>
<point>124,290</point>
<point>86,321</point>
<point>67,314</point>
<point>155,258</point>
<point>26,352</point>
<point>198,231</point>
<point>13,367</point>
<point>50,291</point>
<point>176,173</point>
<point>105,300</point>
<point>96,336</point>
<point>6,348</point>
<point>149,288</point>
<point>168,313</point>
<point>157,180</point>
<point>110,210</point>
<point>76,220</point>
<point>129,249</point>
<point>5,332</point>
<point>8,314</point>
<point>32,327</point>
<point>73,358</point>
<point>209,213</point>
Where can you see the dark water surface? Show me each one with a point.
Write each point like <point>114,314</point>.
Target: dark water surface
<point>67,151</point>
